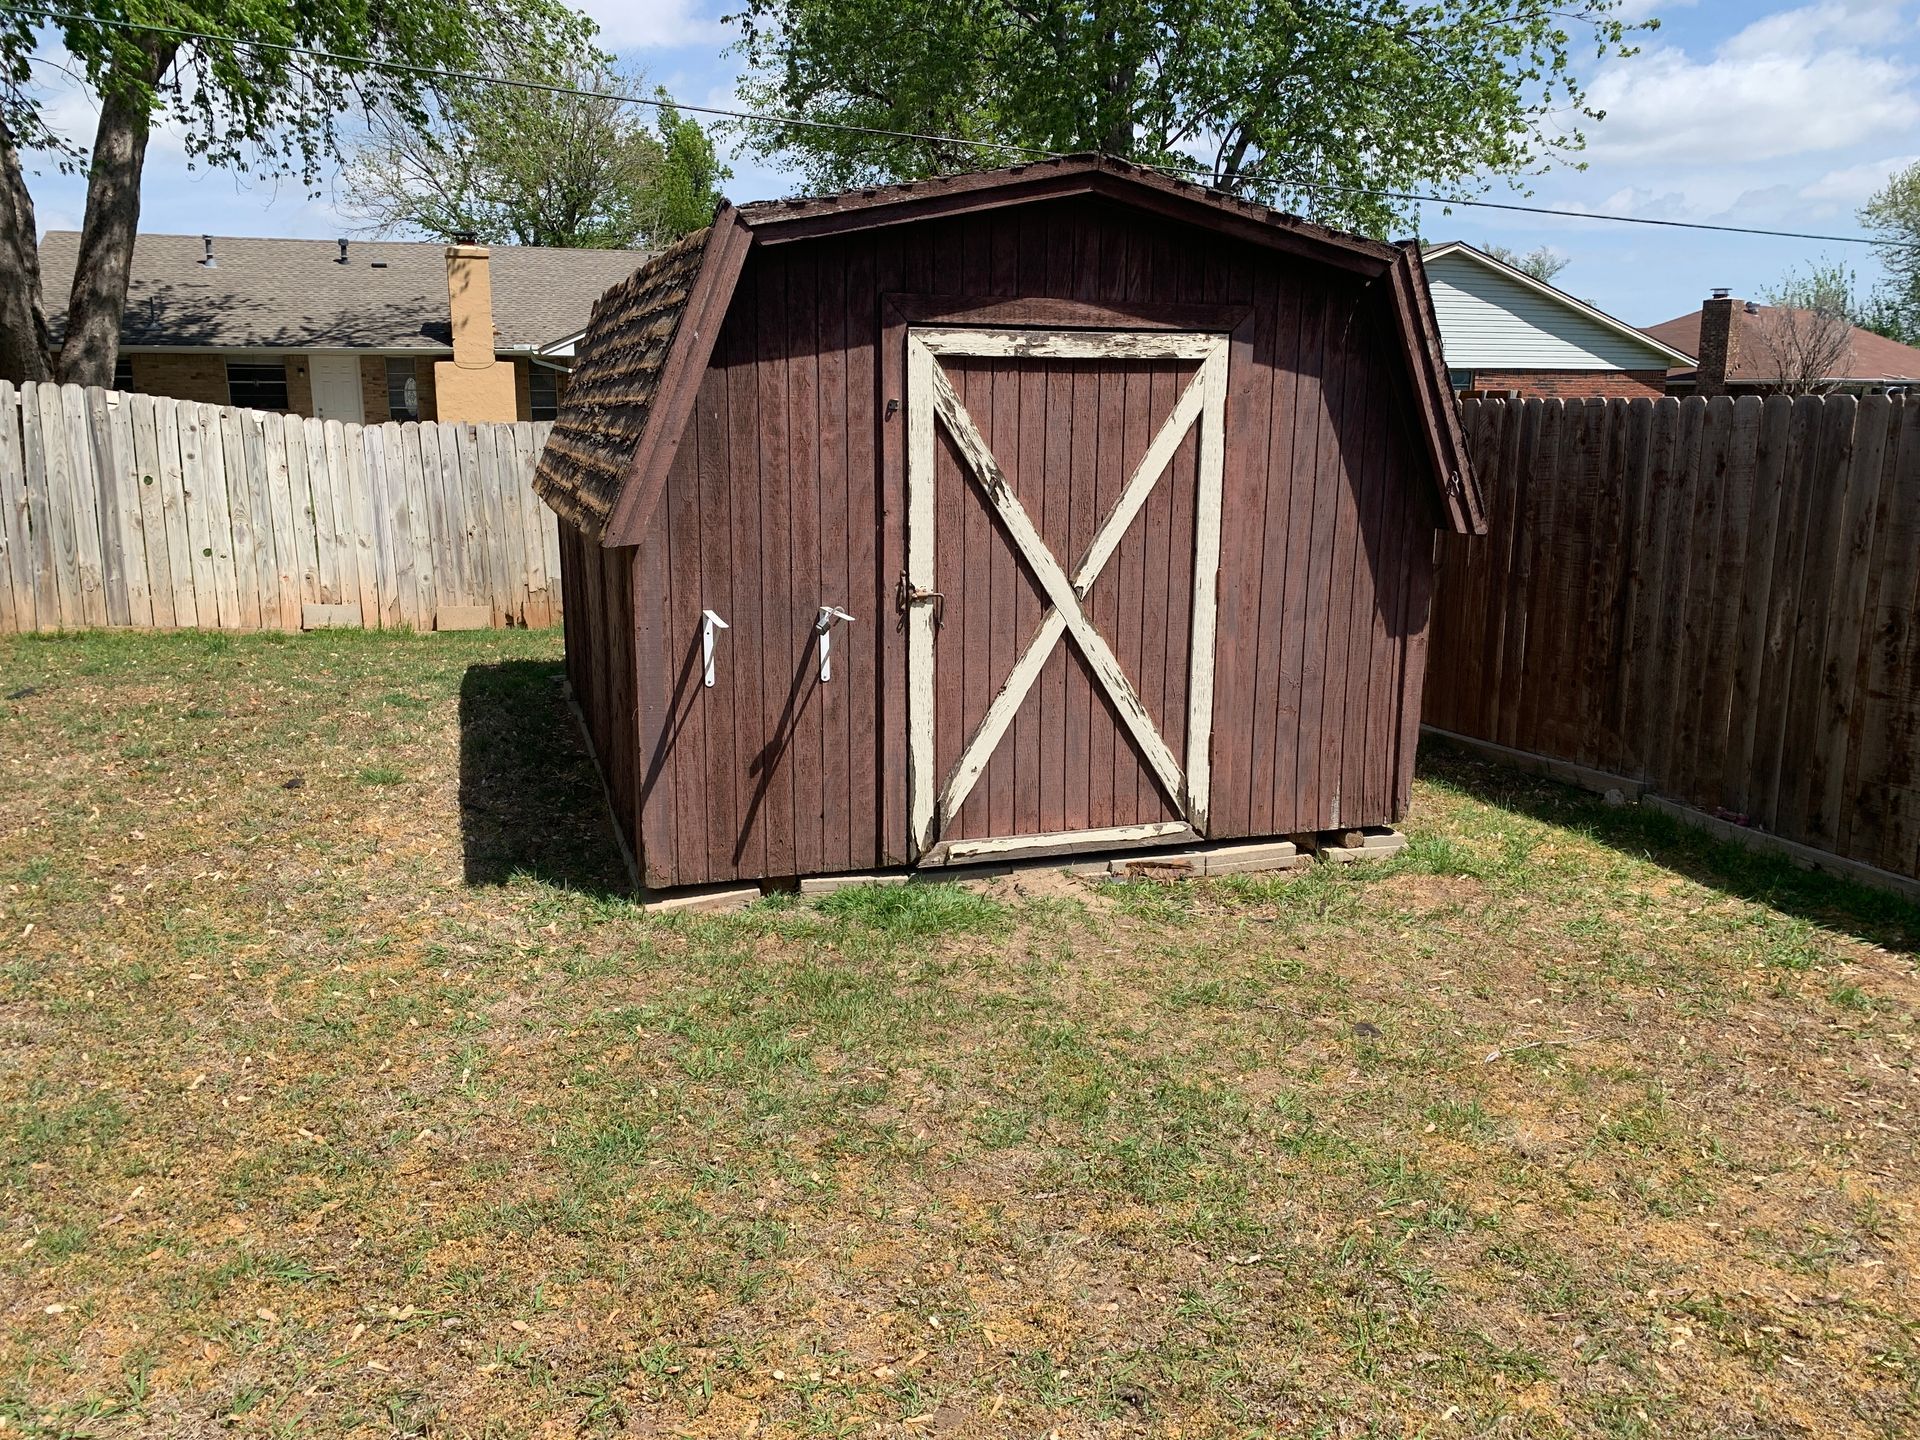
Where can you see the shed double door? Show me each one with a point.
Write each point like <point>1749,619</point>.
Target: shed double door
<point>1063,542</point>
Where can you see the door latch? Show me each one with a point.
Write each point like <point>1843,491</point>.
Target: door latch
<point>823,627</point>
<point>907,594</point>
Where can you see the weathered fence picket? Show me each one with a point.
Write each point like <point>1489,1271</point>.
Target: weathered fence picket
<point>142,511</point>
<point>1720,599</point>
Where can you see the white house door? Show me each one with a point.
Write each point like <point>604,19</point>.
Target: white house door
<point>1063,543</point>
<point>336,387</point>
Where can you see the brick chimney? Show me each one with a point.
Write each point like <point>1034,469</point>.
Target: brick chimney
<point>473,385</point>
<point>1719,342</point>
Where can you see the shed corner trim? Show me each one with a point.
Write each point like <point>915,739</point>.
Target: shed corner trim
<point>1439,417</point>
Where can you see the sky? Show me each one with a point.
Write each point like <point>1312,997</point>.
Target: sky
<point>1743,112</point>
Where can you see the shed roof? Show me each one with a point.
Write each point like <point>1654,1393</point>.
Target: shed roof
<point>650,338</point>
<point>610,394</point>
<point>295,294</point>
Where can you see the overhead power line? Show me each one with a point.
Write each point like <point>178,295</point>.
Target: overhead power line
<point>997,147</point>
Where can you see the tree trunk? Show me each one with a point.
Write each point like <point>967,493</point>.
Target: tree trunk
<point>25,352</point>
<point>91,345</point>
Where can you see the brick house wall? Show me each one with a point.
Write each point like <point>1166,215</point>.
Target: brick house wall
<point>202,378</point>
<point>299,387</point>
<point>1572,384</point>
<point>373,388</point>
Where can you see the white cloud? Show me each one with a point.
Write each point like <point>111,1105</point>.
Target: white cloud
<point>657,24</point>
<point>1782,86</point>
<point>1854,183</point>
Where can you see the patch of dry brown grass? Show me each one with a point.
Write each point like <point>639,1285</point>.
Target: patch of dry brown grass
<point>369,1106</point>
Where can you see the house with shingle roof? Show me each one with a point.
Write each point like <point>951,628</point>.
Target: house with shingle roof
<point>1510,333</point>
<point>1743,347</point>
<point>358,330</point>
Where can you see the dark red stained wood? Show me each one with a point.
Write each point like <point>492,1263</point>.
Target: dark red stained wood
<point>744,642</point>
<point>652,784</point>
<point>685,771</point>
<point>1334,536</point>
<point>801,751</point>
<point>786,676</point>
<point>832,553</point>
<point>866,575</point>
<point>890,709</point>
<point>714,291</point>
<point>1292,797</point>
<point>792,484</point>
<point>714,591</point>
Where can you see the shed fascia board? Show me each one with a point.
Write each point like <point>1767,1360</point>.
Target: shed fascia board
<point>1453,474</point>
<point>728,240</point>
<point>1666,353</point>
<point>781,221</point>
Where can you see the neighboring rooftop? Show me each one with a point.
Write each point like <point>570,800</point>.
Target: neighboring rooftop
<point>1497,317</point>
<point>295,294</point>
<point>1870,358</point>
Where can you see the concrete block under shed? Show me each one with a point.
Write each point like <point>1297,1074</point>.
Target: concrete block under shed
<point>1251,858</point>
<point>827,884</point>
<point>704,902</point>
<point>1375,844</point>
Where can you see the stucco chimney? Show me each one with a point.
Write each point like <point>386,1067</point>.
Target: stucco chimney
<point>1719,342</point>
<point>473,385</point>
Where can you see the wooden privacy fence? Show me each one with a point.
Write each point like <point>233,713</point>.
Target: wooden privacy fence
<point>138,510</point>
<point>1716,598</point>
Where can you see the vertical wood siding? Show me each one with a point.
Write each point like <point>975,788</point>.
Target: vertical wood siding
<point>788,493</point>
<point>597,591</point>
<point>1715,597</point>
<point>148,512</point>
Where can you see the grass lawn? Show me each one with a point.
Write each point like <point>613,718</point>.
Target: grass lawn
<point>345,1092</point>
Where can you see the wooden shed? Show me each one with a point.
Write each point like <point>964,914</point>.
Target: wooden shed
<point>1054,508</point>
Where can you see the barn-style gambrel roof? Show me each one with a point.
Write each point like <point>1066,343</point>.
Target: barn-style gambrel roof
<point>652,335</point>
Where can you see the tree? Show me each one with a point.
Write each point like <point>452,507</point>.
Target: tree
<point>1542,263</point>
<point>240,105</point>
<point>1805,337</point>
<point>1304,103</point>
<point>571,165</point>
<point>686,191</point>
<point>1893,215</point>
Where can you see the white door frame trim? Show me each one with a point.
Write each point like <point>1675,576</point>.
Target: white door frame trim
<point>930,393</point>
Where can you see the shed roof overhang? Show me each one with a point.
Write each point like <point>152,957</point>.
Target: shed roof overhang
<point>735,231</point>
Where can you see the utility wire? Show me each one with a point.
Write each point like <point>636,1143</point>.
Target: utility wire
<point>843,127</point>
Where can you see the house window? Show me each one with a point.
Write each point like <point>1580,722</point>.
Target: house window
<point>1460,379</point>
<point>257,386</point>
<point>543,392</point>
<point>123,373</point>
<point>403,391</point>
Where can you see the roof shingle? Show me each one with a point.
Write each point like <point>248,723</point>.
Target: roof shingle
<point>295,294</point>
<point>586,458</point>
<point>1869,357</point>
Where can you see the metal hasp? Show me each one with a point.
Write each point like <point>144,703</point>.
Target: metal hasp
<point>823,627</point>
<point>709,622</point>
<point>906,593</point>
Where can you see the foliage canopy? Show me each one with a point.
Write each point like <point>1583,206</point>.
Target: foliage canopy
<point>1316,105</point>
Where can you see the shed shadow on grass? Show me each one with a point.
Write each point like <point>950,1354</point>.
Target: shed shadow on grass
<point>530,799</point>
<point>1878,917</point>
